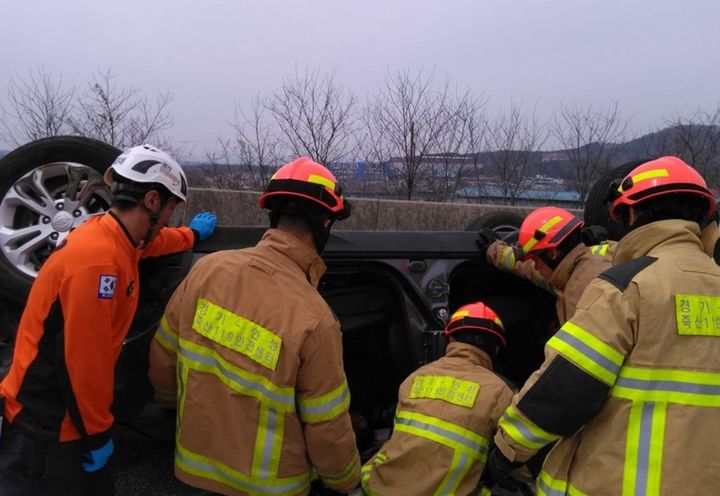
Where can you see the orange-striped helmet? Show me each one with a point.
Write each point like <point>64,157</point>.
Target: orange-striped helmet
<point>477,317</point>
<point>546,228</point>
<point>660,177</point>
<point>307,179</point>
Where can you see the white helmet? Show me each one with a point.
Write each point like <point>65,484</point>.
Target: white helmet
<point>147,164</point>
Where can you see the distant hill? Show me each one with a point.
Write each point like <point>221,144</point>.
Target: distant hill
<point>3,153</point>
<point>668,141</point>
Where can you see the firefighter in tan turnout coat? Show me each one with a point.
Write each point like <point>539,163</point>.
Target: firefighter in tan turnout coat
<point>550,253</point>
<point>252,355</point>
<point>446,413</point>
<point>631,384</point>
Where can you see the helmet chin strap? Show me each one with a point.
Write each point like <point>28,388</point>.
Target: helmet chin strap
<point>154,217</point>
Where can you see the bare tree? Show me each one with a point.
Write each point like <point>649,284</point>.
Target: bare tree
<point>472,116</point>
<point>452,160</point>
<point>404,123</point>
<point>257,143</point>
<point>372,179</point>
<point>315,115</point>
<point>591,141</point>
<point>220,169</point>
<point>121,116</point>
<point>38,106</point>
<point>514,142</point>
<point>695,139</point>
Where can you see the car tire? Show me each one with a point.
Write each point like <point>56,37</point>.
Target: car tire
<point>596,208</point>
<point>505,223</point>
<point>28,161</point>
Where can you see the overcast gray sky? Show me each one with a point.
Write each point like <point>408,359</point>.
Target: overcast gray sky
<point>654,57</point>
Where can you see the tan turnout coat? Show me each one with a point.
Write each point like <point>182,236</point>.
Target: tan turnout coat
<point>253,356</point>
<point>570,277</point>
<point>631,383</point>
<point>446,413</point>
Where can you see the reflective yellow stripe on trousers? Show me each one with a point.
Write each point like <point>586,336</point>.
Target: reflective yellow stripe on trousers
<point>469,446</point>
<point>650,391</point>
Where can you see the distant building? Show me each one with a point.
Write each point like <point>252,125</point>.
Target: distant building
<point>455,160</point>
<point>493,194</point>
<point>554,156</point>
<point>361,172</point>
<point>540,180</point>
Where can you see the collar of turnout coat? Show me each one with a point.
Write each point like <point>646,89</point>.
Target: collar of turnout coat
<point>663,234</point>
<point>474,355</point>
<point>302,255</point>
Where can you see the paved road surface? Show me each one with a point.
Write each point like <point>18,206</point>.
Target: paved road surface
<point>144,458</point>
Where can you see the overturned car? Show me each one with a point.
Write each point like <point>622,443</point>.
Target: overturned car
<point>391,291</point>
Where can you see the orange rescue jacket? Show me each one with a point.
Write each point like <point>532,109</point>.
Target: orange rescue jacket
<point>75,320</point>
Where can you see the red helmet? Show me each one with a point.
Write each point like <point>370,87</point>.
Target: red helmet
<point>659,177</point>
<point>546,228</point>
<point>478,317</point>
<point>310,180</point>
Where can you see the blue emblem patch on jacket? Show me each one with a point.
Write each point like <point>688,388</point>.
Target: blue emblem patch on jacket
<point>106,286</point>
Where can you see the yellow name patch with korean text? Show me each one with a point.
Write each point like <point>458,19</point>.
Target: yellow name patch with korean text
<point>447,388</point>
<point>697,315</point>
<point>237,333</point>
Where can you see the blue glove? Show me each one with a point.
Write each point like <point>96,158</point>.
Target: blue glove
<point>204,224</point>
<point>98,458</point>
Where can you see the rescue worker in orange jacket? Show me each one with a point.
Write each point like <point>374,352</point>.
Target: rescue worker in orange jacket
<point>551,253</point>
<point>252,355</point>
<point>446,413</point>
<point>629,385</point>
<point>57,437</point>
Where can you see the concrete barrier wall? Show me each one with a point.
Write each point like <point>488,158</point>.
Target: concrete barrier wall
<point>239,208</point>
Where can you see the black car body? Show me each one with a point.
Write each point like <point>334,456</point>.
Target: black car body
<point>391,291</point>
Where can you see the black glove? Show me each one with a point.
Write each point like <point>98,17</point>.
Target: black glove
<point>594,235</point>
<point>317,489</point>
<point>486,236</point>
<point>499,469</point>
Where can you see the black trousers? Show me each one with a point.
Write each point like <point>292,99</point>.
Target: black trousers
<point>35,464</point>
